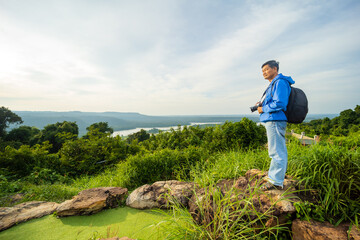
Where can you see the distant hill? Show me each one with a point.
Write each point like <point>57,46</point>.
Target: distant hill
<point>128,120</point>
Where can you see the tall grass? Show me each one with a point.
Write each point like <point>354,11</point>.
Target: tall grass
<point>229,165</point>
<point>222,217</point>
<point>334,171</point>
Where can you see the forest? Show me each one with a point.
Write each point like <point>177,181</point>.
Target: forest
<point>117,120</point>
<point>55,163</point>
<point>127,120</point>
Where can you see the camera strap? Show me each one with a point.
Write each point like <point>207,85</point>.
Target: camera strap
<point>264,94</point>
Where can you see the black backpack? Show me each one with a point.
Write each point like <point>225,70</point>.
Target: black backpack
<point>297,107</point>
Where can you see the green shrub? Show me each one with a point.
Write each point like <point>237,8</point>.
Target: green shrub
<point>229,136</point>
<point>94,154</point>
<point>21,162</point>
<point>46,176</point>
<point>161,165</point>
<point>352,141</point>
<point>7,187</point>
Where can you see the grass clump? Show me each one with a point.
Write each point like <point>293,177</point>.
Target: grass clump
<point>334,171</point>
<point>223,216</point>
<point>229,165</point>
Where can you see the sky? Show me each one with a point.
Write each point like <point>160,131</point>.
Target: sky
<point>175,57</point>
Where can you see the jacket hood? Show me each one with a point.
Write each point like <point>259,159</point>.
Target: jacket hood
<point>286,78</point>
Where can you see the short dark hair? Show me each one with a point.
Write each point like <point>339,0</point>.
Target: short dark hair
<point>272,64</point>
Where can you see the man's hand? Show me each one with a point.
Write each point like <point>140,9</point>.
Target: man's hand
<point>260,110</point>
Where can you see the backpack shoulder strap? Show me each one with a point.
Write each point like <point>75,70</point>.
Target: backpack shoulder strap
<point>272,87</point>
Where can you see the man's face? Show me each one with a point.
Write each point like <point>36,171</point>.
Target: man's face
<point>269,73</point>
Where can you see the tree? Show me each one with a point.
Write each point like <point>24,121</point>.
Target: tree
<point>99,129</point>
<point>7,117</point>
<point>141,136</point>
<point>347,117</point>
<point>58,133</point>
<point>357,112</point>
<point>101,126</point>
<point>23,134</point>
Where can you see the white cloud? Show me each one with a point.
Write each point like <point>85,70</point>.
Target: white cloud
<point>35,64</point>
<point>175,57</point>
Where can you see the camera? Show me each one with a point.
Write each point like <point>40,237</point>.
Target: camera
<point>254,108</point>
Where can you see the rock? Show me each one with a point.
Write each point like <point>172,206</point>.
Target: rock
<point>10,216</point>
<point>256,178</point>
<point>91,201</point>
<point>305,230</point>
<point>159,194</point>
<point>354,233</point>
<point>276,204</point>
<point>201,204</point>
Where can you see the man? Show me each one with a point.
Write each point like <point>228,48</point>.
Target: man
<point>272,115</point>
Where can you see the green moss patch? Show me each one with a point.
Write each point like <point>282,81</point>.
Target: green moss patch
<point>133,223</point>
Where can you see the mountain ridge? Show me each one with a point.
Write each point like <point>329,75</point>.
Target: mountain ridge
<point>127,120</point>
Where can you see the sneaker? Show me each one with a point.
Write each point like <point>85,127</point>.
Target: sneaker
<point>269,186</point>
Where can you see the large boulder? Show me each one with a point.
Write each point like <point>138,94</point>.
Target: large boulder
<point>242,193</point>
<point>312,230</point>
<point>10,216</point>
<point>159,194</point>
<point>91,201</point>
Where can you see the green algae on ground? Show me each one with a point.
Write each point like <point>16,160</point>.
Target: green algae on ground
<point>120,222</point>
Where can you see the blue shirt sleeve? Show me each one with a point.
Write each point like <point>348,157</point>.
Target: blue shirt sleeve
<point>280,98</point>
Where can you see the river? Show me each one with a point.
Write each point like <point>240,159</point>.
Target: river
<point>131,131</point>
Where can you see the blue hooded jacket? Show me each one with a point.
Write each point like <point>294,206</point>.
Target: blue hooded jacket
<point>276,99</point>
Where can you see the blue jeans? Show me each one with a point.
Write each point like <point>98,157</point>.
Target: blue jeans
<point>275,131</point>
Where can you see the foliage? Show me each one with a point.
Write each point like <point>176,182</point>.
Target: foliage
<point>140,136</point>
<point>98,129</point>
<point>7,117</point>
<point>347,122</point>
<point>165,164</point>
<point>48,192</point>
<point>352,141</point>
<point>7,186</point>
<point>229,165</point>
<point>23,135</point>
<point>46,176</point>
<point>72,156</point>
<point>76,156</point>
<point>20,162</point>
<point>238,135</point>
<point>334,171</point>
<point>57,134</point>
<point>306,210</point>
<point>94,154</point>
<point>61,164</point>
